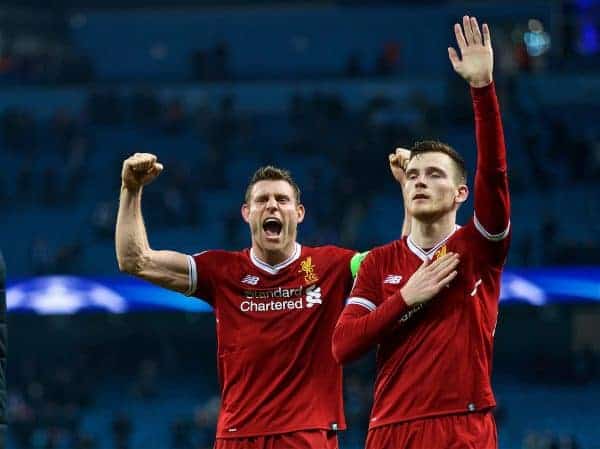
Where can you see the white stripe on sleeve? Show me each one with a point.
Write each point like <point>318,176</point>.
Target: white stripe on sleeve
<point>489,236</point>
<point>192,276</point>
<point>362,302</point>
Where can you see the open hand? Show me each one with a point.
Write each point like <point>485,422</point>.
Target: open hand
<point>429,279</point>
<point>477,57</point>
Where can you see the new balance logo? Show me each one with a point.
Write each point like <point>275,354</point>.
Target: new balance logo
<point>313,296</point>
<point>392,279</point>
<point>251,280</point>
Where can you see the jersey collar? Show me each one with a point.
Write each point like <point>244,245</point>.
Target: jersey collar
<point>274,269</point>
<point>421,253</point>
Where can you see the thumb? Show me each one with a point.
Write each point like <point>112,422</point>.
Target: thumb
<point>157,168</point>
<point>454,59</point>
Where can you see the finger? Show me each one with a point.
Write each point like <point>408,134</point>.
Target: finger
<point>487,39</point>
<point>454,59</point>
<point>444,262</point>
<point>468,31</point>
<point>444,282</point>
<point>395,162</point>
<point>460,37</point>
<point>443,271</point>
<point>144,163</point>
<point>403,153</point>
<point>444,258</point>
<point>403,156</point>
<point>475,30</point>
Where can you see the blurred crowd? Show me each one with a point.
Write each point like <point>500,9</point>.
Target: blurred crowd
<point>130,381</point>
<point>52,168</point>
<point>549,440</point>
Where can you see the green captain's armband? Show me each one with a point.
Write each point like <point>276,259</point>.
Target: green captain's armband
<point>356,261</point>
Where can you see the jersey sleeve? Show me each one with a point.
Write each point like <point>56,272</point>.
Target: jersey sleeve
<point>203,271</point>
<point>492,201</point>
<point>346,264</point>
<point>365,292</point>
<point>367,318</point>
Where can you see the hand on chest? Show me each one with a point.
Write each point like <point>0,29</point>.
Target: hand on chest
<point>457,278</point>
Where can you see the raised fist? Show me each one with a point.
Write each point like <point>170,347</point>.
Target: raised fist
<point>139,170</point>
<point>398,162</point>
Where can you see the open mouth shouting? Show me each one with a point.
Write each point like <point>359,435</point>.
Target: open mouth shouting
<point>272,228</point>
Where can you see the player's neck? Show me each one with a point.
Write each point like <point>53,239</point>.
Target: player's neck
<point>427,235</point>
<point>273,257</point>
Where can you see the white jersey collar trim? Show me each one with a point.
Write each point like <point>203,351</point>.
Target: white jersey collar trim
<point>274,269</point>
<point>421,253</point>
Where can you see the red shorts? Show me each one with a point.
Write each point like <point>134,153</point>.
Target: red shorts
<point>304,439</point>
<point>472,431</point>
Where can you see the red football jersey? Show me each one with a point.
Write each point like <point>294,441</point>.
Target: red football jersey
<point>436,359</point>
<point>274,328</point>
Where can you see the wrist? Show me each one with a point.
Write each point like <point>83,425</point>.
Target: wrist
<point>404,298</point>
<point>478,84</point>
<point>131,189</point>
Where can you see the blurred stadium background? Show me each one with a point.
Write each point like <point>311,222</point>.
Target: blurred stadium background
<point>326,89</point>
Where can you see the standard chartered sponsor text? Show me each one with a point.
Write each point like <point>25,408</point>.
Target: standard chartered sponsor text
<point>278,299</point>
<point>253,306</point>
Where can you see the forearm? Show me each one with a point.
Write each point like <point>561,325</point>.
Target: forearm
<point>492,203</point>
<point>130,237</point>
<point>406,224</point>
<point>491,150</point>
<point>359,329</point>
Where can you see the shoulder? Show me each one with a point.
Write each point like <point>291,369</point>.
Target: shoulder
<point>330,251</point>
<point>385,251</point>
<point>484,247</point>
<point>381,257</point>
<point>220,256</point>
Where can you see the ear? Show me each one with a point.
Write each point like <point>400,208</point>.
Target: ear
<point>462,193</point>
<point>300,211</point>
<point>246,212</point>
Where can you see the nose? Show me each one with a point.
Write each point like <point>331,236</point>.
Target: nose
<point>420,183</point>
<point>272,203</point>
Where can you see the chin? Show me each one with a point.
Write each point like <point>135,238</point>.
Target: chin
<point>273,246</point>
<point>426,216</point>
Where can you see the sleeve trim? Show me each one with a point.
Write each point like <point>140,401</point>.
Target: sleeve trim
<point>192,276</point>
<point>492,237</point>
<point>362,302</point>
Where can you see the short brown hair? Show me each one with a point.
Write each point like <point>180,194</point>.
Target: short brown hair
<point>435,146</point>
<point>271,173</point>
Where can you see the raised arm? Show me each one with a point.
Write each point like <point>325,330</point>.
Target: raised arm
<point>398,161</point>
<point>492,202</point>
<point>168,269</point>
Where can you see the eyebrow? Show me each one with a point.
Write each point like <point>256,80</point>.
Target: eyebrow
<point>276,195</point>
<point>431,168</point>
